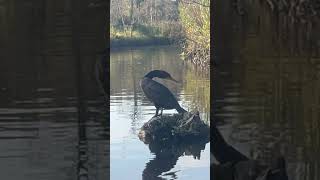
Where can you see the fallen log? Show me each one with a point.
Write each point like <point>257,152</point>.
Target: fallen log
<point>178,126</point>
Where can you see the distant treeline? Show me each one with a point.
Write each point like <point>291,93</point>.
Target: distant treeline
<point>145,20</point>
<point>158,22</point>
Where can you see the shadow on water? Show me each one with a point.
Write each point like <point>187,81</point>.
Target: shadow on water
<point>53,118</point>
<point>167,155</point>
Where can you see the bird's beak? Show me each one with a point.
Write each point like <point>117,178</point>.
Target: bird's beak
<point>170,78</point>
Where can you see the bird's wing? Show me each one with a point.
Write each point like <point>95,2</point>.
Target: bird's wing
<point>159,94</point>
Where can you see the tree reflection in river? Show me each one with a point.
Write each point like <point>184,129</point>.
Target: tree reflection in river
<point>131,65</point>
<point>53,121</point>
<point>130,109</point>
<point>266,87</point>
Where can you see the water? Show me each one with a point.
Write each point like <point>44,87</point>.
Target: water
<point>46,134</point>
<point>53,120</point>
<point>268,106</point>
<point>129,110</point>
<point>266,86</point>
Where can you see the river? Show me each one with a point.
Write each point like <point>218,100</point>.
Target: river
<point>129,110</point>
<point>53,120</point>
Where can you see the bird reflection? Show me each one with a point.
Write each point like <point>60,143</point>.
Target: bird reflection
<point>167,155</point>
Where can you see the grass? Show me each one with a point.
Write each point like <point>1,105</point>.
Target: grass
<point>141,36</point>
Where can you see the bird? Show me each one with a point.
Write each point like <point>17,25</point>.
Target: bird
<point>157,93</point>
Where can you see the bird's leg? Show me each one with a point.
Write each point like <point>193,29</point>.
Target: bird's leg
<point>157,110</point>
<point>161,112</point>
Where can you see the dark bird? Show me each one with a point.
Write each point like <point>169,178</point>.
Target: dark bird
<point>158,93</point>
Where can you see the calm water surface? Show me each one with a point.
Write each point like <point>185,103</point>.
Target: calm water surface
<point>50,131</point>
<point>53,120</point>
<point>269,106</point>
<point>266,87</point>
<point>129,110</point>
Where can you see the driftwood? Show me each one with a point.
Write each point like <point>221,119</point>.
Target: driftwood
<point>172,136</point>
<point>177,126</point>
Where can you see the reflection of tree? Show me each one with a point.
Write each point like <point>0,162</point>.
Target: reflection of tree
<point>198,85</point>
<point>54,55</point>
<point>278,111</point>
<point>167,154</point>
<point>101,72</point>
<point>278,85</point>
<point>135,92</point>
<point>128,65</point>
<point>134,80</point>
<point>145,59</point>
<point>82,168</point>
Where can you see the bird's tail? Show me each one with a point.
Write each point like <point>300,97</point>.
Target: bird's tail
<point>181,110</point>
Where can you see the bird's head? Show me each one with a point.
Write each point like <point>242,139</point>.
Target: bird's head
<point>160,74</point>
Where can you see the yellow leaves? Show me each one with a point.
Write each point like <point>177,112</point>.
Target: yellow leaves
<point>199,85</point>
<point>195,19</point>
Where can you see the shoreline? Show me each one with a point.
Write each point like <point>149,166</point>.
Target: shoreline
<point>194,62</point>
<point>122,43</point>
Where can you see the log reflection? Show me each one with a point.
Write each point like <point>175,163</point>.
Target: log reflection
<point>166,156</point>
